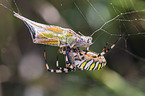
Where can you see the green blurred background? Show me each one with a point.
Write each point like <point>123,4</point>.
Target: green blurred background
<point>22,67</point>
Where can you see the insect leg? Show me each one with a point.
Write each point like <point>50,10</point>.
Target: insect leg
<point>69,59</point>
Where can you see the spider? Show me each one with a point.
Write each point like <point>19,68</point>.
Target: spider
<point>83,59</point>
<point>70,42</point>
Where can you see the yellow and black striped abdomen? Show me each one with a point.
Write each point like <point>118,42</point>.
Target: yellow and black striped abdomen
<point>90,61</point>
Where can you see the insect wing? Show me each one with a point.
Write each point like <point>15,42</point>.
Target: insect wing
<point>48,34</point>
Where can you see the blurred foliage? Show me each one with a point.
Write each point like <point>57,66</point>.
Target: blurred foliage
<point>22,67</point>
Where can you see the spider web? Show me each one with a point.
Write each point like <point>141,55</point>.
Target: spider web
<point>88,16</point>
<point>129,51</point>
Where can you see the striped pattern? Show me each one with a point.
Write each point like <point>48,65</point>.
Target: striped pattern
<point>90,60</point>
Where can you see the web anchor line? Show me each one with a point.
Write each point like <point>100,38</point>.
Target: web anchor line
<point>116,18</point>
<point>127,20</point>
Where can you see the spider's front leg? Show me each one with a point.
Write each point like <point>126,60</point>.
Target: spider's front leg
<point>105,49</point>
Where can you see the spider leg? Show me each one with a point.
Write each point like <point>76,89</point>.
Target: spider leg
<point>60,70</point>
<point>105,49</point>
<point>68,65</point>
<point>57,65</point>
<point>66,58</point>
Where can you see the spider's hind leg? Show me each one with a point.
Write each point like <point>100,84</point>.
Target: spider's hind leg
<point>60,70</point>
<point>69,61</point>
<point>68,68</point>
